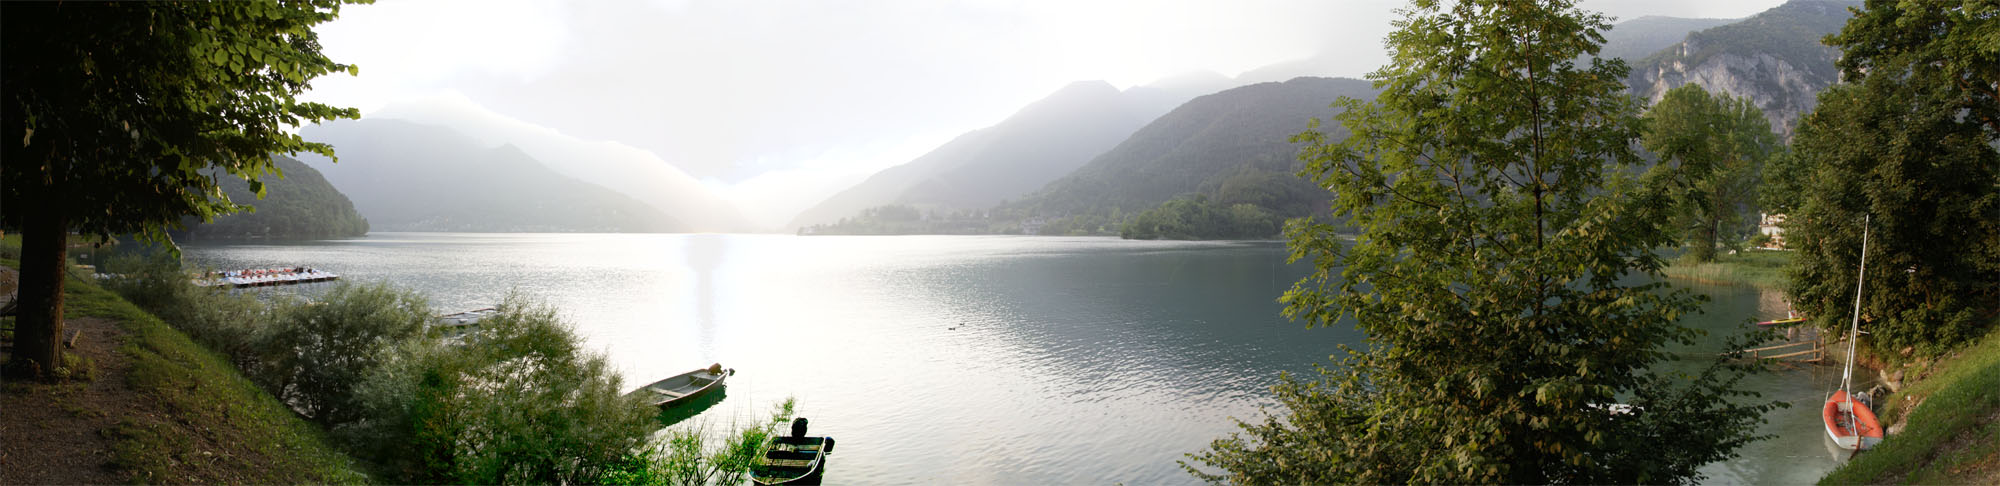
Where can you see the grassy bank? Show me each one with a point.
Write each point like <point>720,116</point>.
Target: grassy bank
<point>1953,431</point>
<point>211,407</point>
<point>1762,268</point>
<point>195,418</point>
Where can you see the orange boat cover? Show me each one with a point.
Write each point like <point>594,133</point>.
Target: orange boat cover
<point>1836,421</point>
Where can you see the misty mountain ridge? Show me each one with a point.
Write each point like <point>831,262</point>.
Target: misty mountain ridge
<point>1044,141</point>
<point>627,170</point>
<point>1633,40</point>
<point>1035,145</point>
<point>406,176</point>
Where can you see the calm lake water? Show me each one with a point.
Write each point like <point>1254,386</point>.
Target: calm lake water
<point>986,360</point>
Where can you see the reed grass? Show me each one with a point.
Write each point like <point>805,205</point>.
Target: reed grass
<point>1761,268</point>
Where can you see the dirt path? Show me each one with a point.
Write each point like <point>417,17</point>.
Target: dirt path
<point>59,434</point>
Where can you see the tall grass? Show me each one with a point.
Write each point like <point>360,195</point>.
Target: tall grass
<point>1761,268</point>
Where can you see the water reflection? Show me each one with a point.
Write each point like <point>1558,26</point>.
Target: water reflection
<point>704,255</point>
<point>957,359</point>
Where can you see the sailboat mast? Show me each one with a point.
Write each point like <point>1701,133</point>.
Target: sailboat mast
<point>1854,329</point>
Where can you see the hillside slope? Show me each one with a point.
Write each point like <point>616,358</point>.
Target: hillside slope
<point>300,205</point>
<point>1233,145</point>
<point>1773,58</point>
<point>406,176</point>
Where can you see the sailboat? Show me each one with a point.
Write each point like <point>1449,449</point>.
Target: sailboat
<point>1849,422</point>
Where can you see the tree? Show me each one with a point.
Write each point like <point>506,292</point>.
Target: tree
<point>1711,149</point>
<point>1910,141</point>
<point>1895,150</point>
<point>1782,187</point>
<point>1951,47</point>
<point>114,109</point>
<point>1492,184</point>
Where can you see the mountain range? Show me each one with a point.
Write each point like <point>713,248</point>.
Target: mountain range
<point>405,176</point>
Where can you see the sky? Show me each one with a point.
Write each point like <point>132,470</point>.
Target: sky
<point>774,105</point>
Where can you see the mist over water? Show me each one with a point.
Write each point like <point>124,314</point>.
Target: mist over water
<point>1008,360</point>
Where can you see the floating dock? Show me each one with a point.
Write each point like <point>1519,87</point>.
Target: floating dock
<point>265,277</point>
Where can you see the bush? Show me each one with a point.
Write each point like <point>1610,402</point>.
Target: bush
<point>521,402</point>
<point>227,323</point>
<point>318,352</point>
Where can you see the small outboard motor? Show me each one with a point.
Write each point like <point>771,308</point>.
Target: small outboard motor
<point>799,427</point>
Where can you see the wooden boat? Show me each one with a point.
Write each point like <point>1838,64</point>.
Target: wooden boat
<point>1849,422</point>
<point>685,386</point>
<point>793,459</point>
<point>1789,321</point>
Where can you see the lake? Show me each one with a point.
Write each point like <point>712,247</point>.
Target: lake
<point>959,359</point>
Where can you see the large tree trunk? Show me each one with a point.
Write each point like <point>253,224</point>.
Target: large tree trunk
<point>39,327</point>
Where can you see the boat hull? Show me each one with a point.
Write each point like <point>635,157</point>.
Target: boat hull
<point>1860,434</point>
<point>793,460</point>
<point>685,387</point>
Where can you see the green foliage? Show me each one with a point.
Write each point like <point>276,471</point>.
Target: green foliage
<point>520,402</point>
<point>1912,143</point>
<point>1901,150</point>
<point>1198,218</point>
<point>1489,182</point>
<point>113,110</point>
<point>231,324</point>
<point>1764,269</point>
<point>1712,148</point>
<point>1783,186</point>
<point>300,204</point>
<point>119,116</point>
<point>1952,47</point>
<point>322,351</point>
<point>684,456</point>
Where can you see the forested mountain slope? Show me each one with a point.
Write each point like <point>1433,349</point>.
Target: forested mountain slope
<point>299,205</point>
<point>1233,146</point>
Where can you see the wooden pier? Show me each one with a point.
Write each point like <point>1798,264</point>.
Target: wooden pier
<point>1803,346</point>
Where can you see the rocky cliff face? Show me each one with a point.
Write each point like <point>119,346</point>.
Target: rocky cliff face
<point>1784,91</point>
<point>1773,58</point>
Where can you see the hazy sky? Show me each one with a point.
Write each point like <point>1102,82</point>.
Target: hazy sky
<point>826,92</point>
